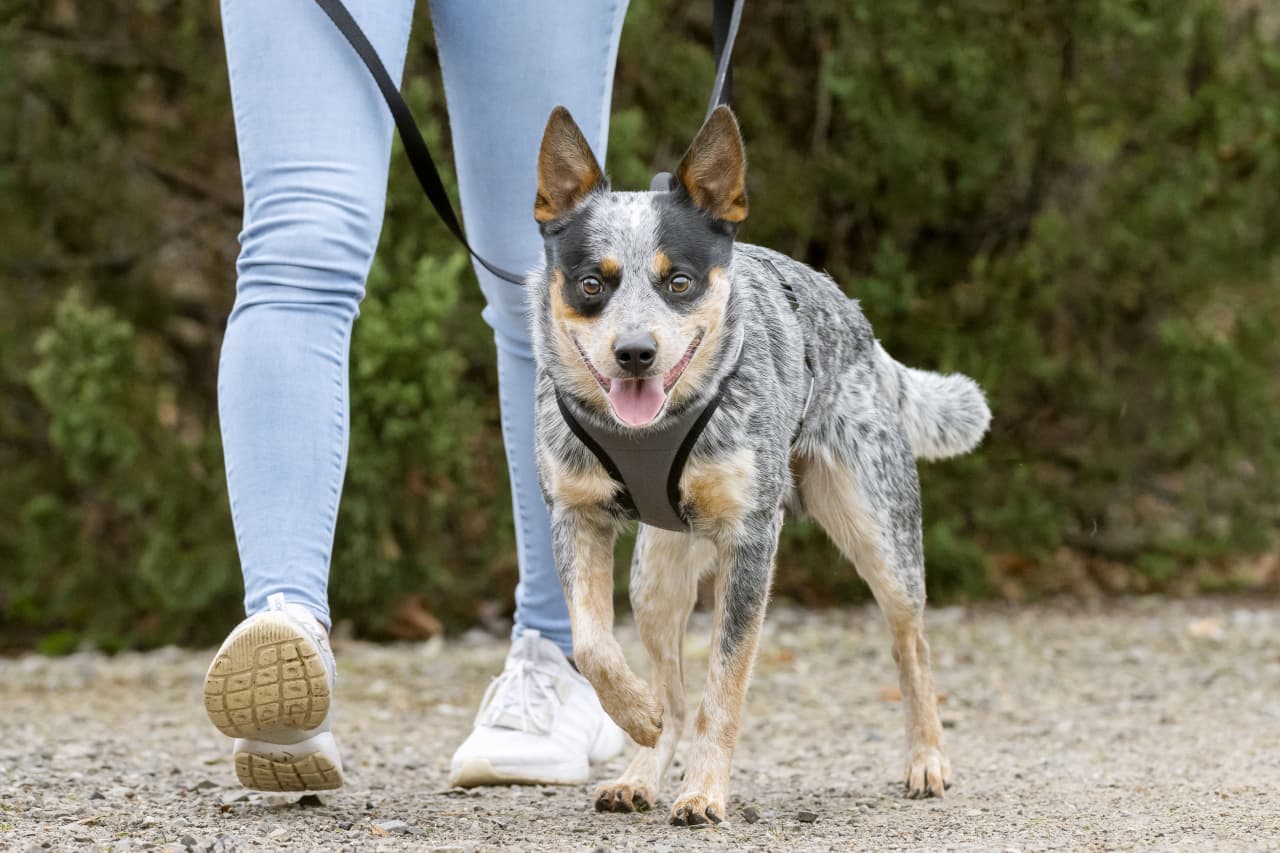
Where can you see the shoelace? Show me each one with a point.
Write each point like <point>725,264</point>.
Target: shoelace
<point>524,697</point>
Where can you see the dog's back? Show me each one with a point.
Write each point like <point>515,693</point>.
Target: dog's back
<point>941,415</point>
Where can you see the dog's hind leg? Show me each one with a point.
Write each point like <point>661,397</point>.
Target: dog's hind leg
<point>867,497</point>
<point>664,585</point>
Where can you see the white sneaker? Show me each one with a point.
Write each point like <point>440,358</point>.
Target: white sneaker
<point>269,687</point>
<point>539,723</point>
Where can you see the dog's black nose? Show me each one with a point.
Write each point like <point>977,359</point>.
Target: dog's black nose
<point>635,353</point>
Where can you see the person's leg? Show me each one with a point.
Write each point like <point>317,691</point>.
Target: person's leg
<point>314,141</point>
<point>504,71</point>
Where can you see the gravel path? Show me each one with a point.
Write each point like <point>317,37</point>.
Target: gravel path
<point>1146,725</point>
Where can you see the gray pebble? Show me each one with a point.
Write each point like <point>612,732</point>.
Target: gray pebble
<point>751,814</point>
<point>806,816</point>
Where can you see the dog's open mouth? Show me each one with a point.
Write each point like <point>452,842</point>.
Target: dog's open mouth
<point>638,402</point>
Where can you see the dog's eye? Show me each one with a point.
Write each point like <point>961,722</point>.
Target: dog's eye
<point>591,286</point>
<point>679,283</point>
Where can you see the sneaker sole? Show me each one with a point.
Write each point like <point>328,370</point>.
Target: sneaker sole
<point>267,679</point>
<point>480,771</point>
<point>313,772</point>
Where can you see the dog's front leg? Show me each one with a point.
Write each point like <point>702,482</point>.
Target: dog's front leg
<point>665,568</point>
<point>742,587</point>
<point>583,543</point>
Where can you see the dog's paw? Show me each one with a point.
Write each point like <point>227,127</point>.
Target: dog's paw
<point>696,810</point>
<point>928,773</point>
<point>623,796</point>
<point>641,719</point>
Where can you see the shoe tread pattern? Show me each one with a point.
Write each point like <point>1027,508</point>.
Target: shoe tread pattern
<point>267,679</point>
<point>304,773</point>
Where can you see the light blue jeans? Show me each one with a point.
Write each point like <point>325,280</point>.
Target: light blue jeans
<point>315,140</point>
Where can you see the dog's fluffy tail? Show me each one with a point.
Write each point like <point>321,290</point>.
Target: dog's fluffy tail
<point>943,415</point>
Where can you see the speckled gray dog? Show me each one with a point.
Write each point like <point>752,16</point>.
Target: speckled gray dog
<point>647,308</point>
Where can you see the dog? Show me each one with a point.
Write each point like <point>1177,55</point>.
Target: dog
<point>648,310</point>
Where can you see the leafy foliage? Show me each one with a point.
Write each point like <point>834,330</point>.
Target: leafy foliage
<point>1072,201</point>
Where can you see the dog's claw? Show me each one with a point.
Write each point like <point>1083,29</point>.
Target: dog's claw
<point>621,797</point>
<point>695,811</point>
<point>928,774</point>
<point>687,817</point>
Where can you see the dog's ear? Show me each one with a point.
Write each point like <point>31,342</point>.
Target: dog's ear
<point>714,169</point>
<point>567,170</point>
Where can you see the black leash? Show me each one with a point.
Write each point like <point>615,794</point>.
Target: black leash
<point>414,145</point>
<point>727,15</point>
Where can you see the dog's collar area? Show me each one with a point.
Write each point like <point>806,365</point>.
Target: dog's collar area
<point>637,461</point>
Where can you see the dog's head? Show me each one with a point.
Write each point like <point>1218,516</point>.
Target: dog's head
<point>637,283</point>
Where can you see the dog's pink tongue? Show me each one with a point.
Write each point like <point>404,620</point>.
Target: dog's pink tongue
<point>637,401</point>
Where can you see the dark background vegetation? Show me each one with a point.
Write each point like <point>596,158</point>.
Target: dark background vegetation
<point>1076,202</point>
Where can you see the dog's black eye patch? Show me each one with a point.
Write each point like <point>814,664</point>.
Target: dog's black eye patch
<point>568,250</point>
<point>587,289</point>
<point>694,245</point>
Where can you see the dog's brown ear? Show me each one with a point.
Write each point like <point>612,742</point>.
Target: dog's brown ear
<point>714,169</point>
<point>567,170</point>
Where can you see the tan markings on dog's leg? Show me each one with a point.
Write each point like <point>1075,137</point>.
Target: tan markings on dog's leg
<point>832,496</point>
<point>583,542</point>
<point>664,586</point>
<point>718,492</point>
<point>742,581</point>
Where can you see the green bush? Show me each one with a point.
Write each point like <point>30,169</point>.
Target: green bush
<point>1073,202</point>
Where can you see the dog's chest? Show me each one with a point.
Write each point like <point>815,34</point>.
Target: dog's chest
<point>720,490</point>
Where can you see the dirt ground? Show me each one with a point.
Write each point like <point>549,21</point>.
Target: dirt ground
<point>1145,724</point>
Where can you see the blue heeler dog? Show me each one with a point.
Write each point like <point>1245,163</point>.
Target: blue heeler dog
<point>649,314</point>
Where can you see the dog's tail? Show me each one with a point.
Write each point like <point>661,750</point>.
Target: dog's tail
<point>943,415</point>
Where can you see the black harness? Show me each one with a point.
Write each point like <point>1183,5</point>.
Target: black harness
<point>648,467</point>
